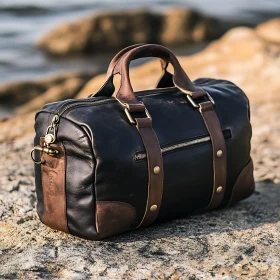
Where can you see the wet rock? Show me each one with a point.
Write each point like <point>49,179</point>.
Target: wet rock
<point>115,30</point>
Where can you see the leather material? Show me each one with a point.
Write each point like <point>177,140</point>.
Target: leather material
<point>113,217</point>
<point>101,144</point>
<point>218,144</point>
<point>245,184</point>
<point>154,160</point>
<point>180,78</point>
<point>53,184</point>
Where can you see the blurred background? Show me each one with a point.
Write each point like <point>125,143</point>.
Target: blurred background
<point>24,22</point>
<point>55,50</point>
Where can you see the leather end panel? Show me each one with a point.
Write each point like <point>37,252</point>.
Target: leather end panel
<point>53,183</point>
<point>113,217</point>
<point>244,185</point>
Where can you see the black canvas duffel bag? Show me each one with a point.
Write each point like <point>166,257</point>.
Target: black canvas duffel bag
<point>115,162</point>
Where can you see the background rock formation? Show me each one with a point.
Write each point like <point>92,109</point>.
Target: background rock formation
<point>116,30</point>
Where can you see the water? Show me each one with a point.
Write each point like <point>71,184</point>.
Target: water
<point>23,22</point>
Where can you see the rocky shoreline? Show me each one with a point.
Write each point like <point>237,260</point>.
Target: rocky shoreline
<point>241,242</point>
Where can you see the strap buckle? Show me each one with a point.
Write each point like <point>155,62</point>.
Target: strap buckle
<point>131,120</point>
<point>195,105</point>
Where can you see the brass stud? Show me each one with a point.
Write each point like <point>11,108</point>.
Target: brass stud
<point>153,208</point>
<point>219,189</point>
<point>219,153</point>
<point>157,170</point>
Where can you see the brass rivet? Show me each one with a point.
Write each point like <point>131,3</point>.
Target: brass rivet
<point>156,170</point>
<point>219,153</point>
<point>153,208</point>
<point>219,189</point>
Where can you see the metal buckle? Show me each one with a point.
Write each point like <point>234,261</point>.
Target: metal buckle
<point>49,151</point>
<point>195,105</point>
<point>131,120</point>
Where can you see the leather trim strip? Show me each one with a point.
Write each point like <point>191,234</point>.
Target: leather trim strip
<point>219,153</point>
<point>155,170</point>
<point>53,184</point>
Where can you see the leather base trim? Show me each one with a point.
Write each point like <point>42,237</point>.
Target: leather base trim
<point>113,217</point>
<point>244,185</point>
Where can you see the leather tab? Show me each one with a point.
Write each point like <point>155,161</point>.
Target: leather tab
<point>218,146</point>
<point>53,183</point>
<point>155,170</point>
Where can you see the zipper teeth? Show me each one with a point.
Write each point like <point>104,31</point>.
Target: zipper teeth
<point>84,103</point>
<point>177,146</point>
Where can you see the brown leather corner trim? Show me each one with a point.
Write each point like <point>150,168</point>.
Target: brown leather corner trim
<point>218,145</point>
<point>155,170</point>
<point>113,217</point>
<point>53,184</point>
<point>244,185</point>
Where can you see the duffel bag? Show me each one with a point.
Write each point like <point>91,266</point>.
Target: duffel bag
<point>114,162</point>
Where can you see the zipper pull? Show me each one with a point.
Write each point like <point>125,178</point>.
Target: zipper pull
<point>51,131</point>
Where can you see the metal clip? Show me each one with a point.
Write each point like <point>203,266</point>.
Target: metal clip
<point>195,105</point>
<point>131,120</point>
<point>51,131</point>
<point>49,151</point>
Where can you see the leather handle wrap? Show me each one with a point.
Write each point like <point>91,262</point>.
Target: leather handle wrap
<point>181,80</point>
<point>120,54</point>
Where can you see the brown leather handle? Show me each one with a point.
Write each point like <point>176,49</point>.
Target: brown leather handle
<point>125,94</point>
<point>120,54</point>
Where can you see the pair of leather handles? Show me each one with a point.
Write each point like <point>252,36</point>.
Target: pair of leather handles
<point>120,65</point>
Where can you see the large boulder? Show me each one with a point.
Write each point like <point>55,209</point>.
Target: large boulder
<point>115,30</point>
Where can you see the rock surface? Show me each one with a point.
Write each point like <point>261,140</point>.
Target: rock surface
<point>116,30</point>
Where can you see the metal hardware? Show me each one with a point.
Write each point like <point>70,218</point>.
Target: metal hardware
<point>219,153</point>
<point>49,138</point>
<point>219,189</point>
<point>131,120</point>
<point>49,151</point>
<point>153,208</point>
<point>51,131</point>
<point>157,170</point>
<point>195,105</point>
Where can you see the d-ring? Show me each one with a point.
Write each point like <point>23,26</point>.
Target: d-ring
<point>33,156</point>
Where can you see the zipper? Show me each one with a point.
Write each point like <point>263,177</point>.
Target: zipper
<point>142,155</point>
<point>53,127</point>
<point>170,148</point>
